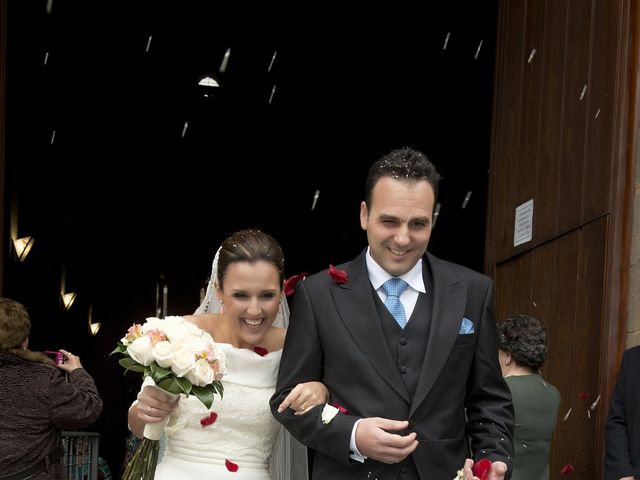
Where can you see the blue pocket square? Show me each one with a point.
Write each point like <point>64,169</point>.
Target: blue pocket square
<point>466,327</point>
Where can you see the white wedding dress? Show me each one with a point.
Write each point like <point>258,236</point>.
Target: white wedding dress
<point>244,431</point>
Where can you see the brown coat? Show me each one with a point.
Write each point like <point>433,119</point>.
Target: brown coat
<point>36,403</point>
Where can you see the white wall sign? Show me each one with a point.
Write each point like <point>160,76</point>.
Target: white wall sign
<point>523,228</point>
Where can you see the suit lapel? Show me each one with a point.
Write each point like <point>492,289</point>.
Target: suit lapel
<point>355,305</point>
<point>449,300</point>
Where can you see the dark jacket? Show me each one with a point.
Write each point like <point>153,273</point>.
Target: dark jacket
<point>622,430</point>
<point>337,336</point>
<point>37,403</point>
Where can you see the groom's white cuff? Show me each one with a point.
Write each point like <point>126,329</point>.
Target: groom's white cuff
<point>355,454</point>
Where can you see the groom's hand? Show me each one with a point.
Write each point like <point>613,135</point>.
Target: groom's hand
<point>376,439</point>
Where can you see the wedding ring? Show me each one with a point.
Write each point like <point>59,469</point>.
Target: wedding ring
<point>302,408</point>
<point>149,410</point>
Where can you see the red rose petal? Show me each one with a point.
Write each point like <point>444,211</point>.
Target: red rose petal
<point>583,395</point>
<point>341,408</point>
<point>260,351</point>
<point>232,467</point>
<point>567,469</point>
<point>337,275</point>
<point>481,468</point>
<point>206,421</point>
<point>290,283</point>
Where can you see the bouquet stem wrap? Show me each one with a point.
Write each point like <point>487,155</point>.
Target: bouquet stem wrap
<point>153,431</point>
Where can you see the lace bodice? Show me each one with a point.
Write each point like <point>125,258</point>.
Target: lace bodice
<point>244,431</point>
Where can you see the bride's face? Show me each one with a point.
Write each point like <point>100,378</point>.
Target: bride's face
<point>251,296</point>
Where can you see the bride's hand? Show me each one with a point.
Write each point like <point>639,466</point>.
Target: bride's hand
<point>304,397</point>
<point>154,405</point>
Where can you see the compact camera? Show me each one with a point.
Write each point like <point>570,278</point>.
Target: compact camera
<point>57,357</point>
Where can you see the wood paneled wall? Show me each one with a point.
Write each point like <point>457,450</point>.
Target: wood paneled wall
<point>565,117</point>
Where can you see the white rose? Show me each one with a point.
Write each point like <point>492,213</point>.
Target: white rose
<point>152,323</point>
<point>201,374</point>
<point>141,350</point>
<point>182,362</point>
<point>174,329</point>
<point>193,329</point>
<point>193,344</point>
<point>163,353</point>
<point>208,339</point>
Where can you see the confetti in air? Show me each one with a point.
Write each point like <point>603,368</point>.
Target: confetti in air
<point>148,44</point>
<point>531,55</point>
<point>53,137</point>
<point>478,50</point>
<point>315,199</point>
<point>566,415</point>
<point>466,199</point>
<point>225,60</point>
<point>584,90</point>
<point>184,129</point>
<point>595,403</point>
<point>436,212</point>
<point>597,114</point>
<point>49,6</point>
<point>273,91</point>
<point>46,57</point>
<point>535,304</point>
<point>446,41</point>
<point>273,59</point>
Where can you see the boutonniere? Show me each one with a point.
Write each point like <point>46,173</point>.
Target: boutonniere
<point>338,276</point>
<point>480,469</point>
<point>290,283</point>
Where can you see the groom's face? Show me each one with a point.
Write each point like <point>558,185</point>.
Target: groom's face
<point>398,223</point>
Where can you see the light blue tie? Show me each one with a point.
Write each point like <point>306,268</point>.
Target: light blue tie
<point>394,288</point>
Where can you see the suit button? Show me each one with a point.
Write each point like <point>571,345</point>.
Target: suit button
<point>402,370</point>
<point>403,341</point>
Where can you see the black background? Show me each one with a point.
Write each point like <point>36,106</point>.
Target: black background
<point>121,197</point>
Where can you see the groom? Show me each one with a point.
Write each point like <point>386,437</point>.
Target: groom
<point>405,343</point>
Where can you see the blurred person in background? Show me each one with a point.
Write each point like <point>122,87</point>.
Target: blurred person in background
<point>622,429</point>
<point>523,348</point>
<point>39,400</point>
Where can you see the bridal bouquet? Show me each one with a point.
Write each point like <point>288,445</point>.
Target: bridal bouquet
<point>180,358</point>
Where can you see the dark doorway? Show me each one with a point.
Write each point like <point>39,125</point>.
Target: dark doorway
<point>125,169</point>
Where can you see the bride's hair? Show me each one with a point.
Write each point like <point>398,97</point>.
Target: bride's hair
<point>249,245</point>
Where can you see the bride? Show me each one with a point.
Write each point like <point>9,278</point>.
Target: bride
<point>245,311</point>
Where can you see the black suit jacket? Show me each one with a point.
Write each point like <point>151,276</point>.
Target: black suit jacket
<point>461,399</point>
<point>622,429</point>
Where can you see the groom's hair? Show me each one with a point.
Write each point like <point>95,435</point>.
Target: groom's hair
<point>402,164</point>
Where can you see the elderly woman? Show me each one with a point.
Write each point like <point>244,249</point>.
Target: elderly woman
<point>523,348</point>
<point>38,401</point>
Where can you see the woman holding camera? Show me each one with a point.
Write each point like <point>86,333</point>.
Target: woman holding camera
<point>38,402</point>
